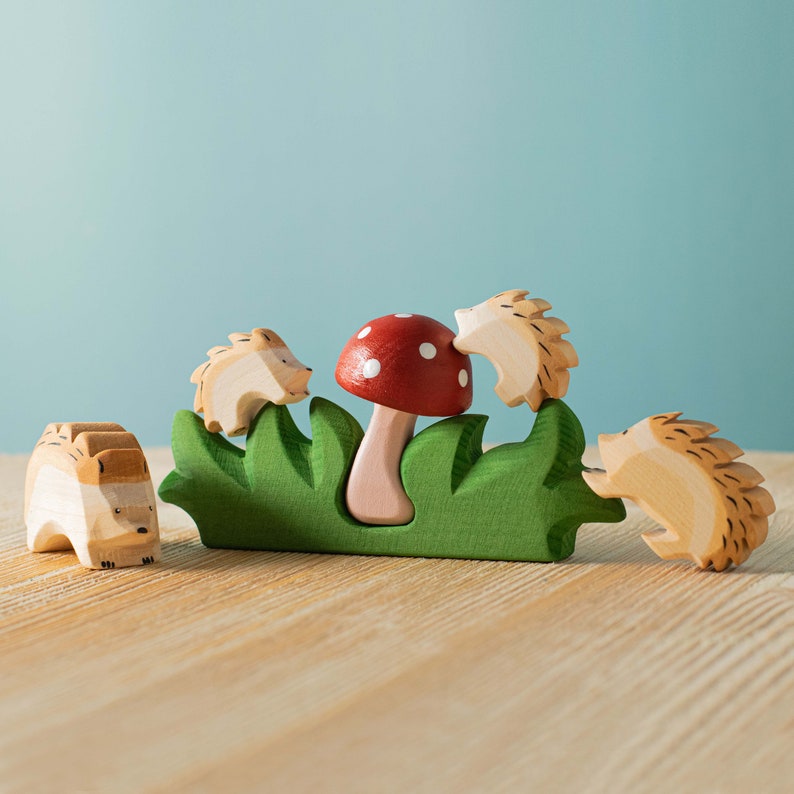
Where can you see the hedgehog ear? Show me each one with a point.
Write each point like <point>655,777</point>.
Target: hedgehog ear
<point>261,339</point>
<point>121,463</point>
<point>272,338</point>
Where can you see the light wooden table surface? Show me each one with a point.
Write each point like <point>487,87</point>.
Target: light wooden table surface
<point>247,671</point>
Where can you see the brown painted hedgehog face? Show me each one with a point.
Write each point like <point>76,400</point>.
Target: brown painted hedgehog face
<point>126,515</point>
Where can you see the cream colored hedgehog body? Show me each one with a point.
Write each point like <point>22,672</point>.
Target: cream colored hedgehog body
<point>525,347</point>
<point>711,507</point>
<point>237,381</point>
<point>88,487</point>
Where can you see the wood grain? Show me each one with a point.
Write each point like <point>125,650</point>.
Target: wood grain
<point>285,492</point>
<point>375,493</point>
<point>238,380</point>
<point>88,489</point>
<point>220,670</point>
<point>709,506</point>
<point>526,348</point>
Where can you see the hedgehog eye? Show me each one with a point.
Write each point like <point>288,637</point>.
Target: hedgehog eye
<point>118,510</point>
<point>151,509</point>
<point>624,432</point>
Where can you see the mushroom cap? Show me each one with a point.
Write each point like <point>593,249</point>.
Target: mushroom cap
<point>407,362</point>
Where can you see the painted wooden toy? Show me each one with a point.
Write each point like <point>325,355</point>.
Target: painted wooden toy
<point>237,381</point>
<point>525,347</point>
<point>433,495</point>
<point>712,508</point>
<point>286,492</point>
<point>88,487</point>
<point>406,365</point>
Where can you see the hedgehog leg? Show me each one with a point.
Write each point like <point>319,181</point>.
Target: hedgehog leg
<point>665,544</point>
<point>598,481</point>
<point>50,536</point>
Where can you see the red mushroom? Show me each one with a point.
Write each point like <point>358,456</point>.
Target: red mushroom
<point>407,366</point>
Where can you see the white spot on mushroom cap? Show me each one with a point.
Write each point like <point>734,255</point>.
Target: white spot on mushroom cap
<point>403,315</point>
<point>463,378</point>
<point>427,350</point>
<point>371,368</point>
<point>364,331</point>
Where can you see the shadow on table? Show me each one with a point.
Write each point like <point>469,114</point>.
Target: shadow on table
<point>609,544</point>
<point>776,556</point>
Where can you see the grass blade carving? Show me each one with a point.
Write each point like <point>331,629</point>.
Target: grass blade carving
<point>519,501</point>
<point>285,492</point>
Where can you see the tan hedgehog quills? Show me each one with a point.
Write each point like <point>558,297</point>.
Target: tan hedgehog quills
<point>712,508</point>
<point>525,347</point>
<point>88,487</point>
<point>237,381</point>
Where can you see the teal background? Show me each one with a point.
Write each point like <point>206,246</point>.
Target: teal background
<point>171,172</point>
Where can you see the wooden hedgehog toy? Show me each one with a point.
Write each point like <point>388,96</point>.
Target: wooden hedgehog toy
<point>712,508</point>
<point>88,487</point>
<point>525,347</point>
<point>237,381</point>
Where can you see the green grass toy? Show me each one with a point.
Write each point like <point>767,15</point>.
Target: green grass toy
<point>286,492</point>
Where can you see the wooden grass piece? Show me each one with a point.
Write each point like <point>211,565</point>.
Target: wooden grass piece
<point>280,493</point>
<point>517,501</point>
<point>522,501</point>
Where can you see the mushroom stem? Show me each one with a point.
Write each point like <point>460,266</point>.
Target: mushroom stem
<point>375,493</point>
